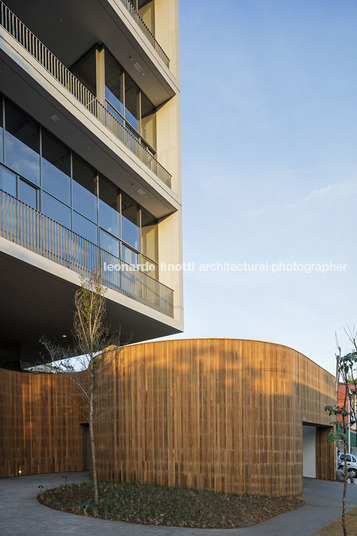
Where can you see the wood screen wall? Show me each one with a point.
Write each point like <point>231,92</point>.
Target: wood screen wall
<point>220,414</point>
<point>39,433</point>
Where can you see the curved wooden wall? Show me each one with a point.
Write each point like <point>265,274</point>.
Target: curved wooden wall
<point>220,414</point>
<point>39,432</point>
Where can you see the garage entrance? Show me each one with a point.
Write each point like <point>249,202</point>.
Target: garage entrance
<point>309,451</point>
<point>317,452</point>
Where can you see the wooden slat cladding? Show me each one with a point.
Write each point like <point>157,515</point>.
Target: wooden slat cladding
<point>219,414</point>
<point>325,455</point>
<point>39,432</point>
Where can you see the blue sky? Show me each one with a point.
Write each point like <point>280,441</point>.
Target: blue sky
<point>269,144</point>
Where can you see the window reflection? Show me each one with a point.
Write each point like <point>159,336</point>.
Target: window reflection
<point>22,143</point>
<point>109,206</point>
<point>131,101</point>
<point>130,222</point>
<point>114,82</point>
<point>126,230</point>
<point>56,210</point>
<point>56,168</point>
<point>129,256</point>
<point>84,188</point>
<point>27,194</point>
<point>7,181</point>
<point>85,228</point>
<point>139,111</point>
<point>109,243</point>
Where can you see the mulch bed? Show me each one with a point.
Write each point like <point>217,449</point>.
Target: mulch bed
<point>157,505</point>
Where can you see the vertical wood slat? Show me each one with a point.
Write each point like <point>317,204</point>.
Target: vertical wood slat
<point>39,433</point>
<point>220,414</point>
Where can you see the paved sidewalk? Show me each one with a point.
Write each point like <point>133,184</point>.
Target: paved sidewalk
<point>22,515</point>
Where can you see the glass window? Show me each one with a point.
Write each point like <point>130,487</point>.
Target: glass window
<point>85,228</point>
<point>7,181</point>
<point>109,243</point>
<point>114,113</point>
<point>84,188</point>
<point>56,168</point>
<point>56,210</point>
<point>109,206</point>
<point>22,143</point>
<point>148,121</point>
<point>113,82</point>
<point>129,256</point>
<point>148,234</point>
<point>131,101</point>
<point>27,194</point>
<point>130,222</point>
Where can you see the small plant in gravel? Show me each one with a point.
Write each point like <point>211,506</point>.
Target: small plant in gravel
<point>157,505</point>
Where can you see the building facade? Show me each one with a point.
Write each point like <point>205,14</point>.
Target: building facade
<point>90,173</point>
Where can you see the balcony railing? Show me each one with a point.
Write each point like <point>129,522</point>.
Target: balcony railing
<point>12,24</point>
<point>129,6</point>
<point>31,229</point>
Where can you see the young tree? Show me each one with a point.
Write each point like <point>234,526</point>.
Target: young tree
<point>346,372</point>
<point>89,359</point>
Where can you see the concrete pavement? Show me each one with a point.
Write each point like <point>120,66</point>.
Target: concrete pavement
<point>22,515</point>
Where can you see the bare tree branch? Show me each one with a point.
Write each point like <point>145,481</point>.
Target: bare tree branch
<point>87,362</point>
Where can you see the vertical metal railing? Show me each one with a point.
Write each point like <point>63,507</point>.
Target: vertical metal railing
<point>12,24</point>
<point>148,34</point>
<point>31,229</point>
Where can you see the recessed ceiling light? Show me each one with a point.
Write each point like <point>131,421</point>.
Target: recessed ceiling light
<point>54,118</point>
<point>141,192</point>
<point>64,336</point>
<point>138,67</point>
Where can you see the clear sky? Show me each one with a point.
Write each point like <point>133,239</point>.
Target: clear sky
<point>269,145</point>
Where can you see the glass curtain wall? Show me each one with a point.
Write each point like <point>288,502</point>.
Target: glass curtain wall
<point>46,174</point>
<point>130,105</point>
<point>123,97</point>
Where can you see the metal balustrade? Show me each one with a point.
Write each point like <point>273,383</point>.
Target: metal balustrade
<point>139,21</point>
<point>31,229</point>
<point>12,24</point>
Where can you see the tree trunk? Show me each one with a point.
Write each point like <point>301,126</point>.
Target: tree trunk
<point>92,449</point>
<point>344,528</point>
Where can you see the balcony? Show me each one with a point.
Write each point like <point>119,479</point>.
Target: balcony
<point>31,229</point>
<point>139,21</point>
<point>13,25</point>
